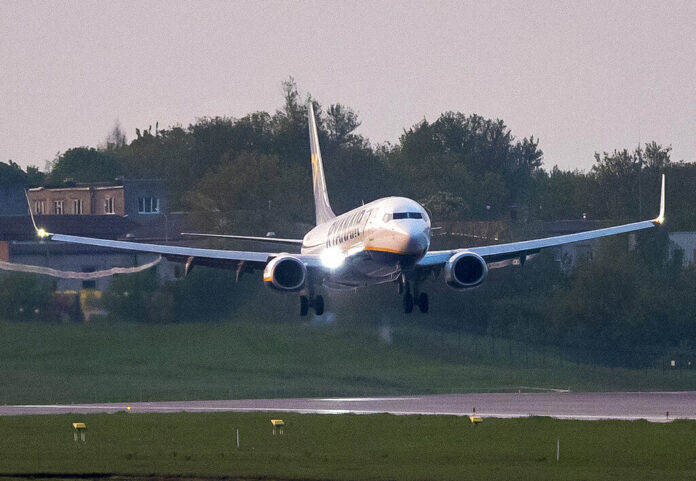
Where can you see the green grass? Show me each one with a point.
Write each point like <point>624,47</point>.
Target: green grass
<point>374,447</point>
<point>48,363</point>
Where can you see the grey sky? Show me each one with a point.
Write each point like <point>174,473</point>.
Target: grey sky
<point>580,76</point>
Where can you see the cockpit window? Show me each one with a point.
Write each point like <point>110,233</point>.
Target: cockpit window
<point>407,215</point>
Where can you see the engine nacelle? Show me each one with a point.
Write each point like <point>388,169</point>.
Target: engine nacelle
<point>285,273</point>
<point>465,270</point>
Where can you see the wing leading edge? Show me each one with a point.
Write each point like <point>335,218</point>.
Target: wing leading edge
<point>512,250</point>
<point>213,257</point>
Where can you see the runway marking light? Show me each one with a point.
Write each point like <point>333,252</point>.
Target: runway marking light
<point>277,424</point>
<point>79,428</point>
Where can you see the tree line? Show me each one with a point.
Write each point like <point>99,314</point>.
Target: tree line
<point>460,166</point>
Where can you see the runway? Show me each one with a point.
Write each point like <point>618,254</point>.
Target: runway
<point>651,406</point>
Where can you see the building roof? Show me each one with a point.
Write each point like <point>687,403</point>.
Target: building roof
<point>61,189</point>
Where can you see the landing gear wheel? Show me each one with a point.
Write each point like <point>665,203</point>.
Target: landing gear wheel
<point>319,305</point>
<point>304,305</point>
<point>423,302</point>
<point>408,303</point>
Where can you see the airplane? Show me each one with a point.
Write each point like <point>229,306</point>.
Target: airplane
<point>387,240</point>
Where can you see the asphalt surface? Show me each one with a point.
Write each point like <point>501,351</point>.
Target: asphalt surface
<point>652,406</point>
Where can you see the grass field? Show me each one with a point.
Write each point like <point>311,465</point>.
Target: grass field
<point>374,447</point>
<point>48,363</point>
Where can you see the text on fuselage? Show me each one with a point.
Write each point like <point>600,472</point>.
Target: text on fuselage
<point>346,229</point>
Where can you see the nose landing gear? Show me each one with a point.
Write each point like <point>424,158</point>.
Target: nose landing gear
<point>409,300</point>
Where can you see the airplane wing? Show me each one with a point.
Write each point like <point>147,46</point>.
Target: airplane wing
<point>248,237</point>
<point>248,260</point>
<point>522,249</point>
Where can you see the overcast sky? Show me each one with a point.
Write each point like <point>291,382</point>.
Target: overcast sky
<point>580,76</point>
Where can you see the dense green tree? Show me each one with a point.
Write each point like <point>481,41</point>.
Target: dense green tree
<point>470,157</point>
<point>12,174</point>
<point>84,164</point>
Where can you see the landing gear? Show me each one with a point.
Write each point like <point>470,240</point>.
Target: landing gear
<point>315,302</point>
<point>408,303</point>
<point>409,300</point>
<point>304,306</point>
<point>318,305</point>
<point>423,302</point>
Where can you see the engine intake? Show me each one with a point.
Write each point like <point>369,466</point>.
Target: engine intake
<point>465,270</point>
<point>285,273</point>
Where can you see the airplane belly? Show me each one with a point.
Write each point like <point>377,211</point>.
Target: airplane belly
<point>368,268</point>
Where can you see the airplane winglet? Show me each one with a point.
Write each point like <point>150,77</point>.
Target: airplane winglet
<point>41,232</point>
<point>660,219</point>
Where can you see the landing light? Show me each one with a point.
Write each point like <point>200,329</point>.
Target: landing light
<point>42,233</point>
<point>332,258</point>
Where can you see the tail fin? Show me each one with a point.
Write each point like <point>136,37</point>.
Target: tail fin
<point>321,198</point>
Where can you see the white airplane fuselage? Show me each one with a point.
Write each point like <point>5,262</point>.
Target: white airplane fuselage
<point>371,244</point>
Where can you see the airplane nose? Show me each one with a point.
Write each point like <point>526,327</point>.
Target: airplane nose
<point>416,239</point>
<point>418,243</point>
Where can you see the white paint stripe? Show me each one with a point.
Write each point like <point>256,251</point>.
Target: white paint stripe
<point>367,399</point>
<point>154,408</point>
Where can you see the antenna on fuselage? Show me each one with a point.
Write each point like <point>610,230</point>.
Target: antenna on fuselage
<point>322,207</point>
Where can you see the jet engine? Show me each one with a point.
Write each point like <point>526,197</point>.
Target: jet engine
<point>465,270</point>
<point>285,273</point>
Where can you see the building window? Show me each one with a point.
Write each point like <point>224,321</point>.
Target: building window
<point>77,206</point>
<point>58,207</point>
<point>40,207</point>
<point>148,205</point>
<point>109,205</point>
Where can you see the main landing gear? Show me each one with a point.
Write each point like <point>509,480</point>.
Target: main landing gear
<point>409,300</point>
<point>315,302</point>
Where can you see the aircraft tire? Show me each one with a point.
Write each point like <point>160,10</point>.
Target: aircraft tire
<point>319,305</point>
<point>304,305</point>
<point>423,302</point>
<point>408,303</point>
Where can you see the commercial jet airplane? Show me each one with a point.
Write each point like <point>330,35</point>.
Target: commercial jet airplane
<point>387,240</point>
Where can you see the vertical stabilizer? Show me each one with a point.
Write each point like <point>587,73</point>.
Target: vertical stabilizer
<point>321,197</point>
